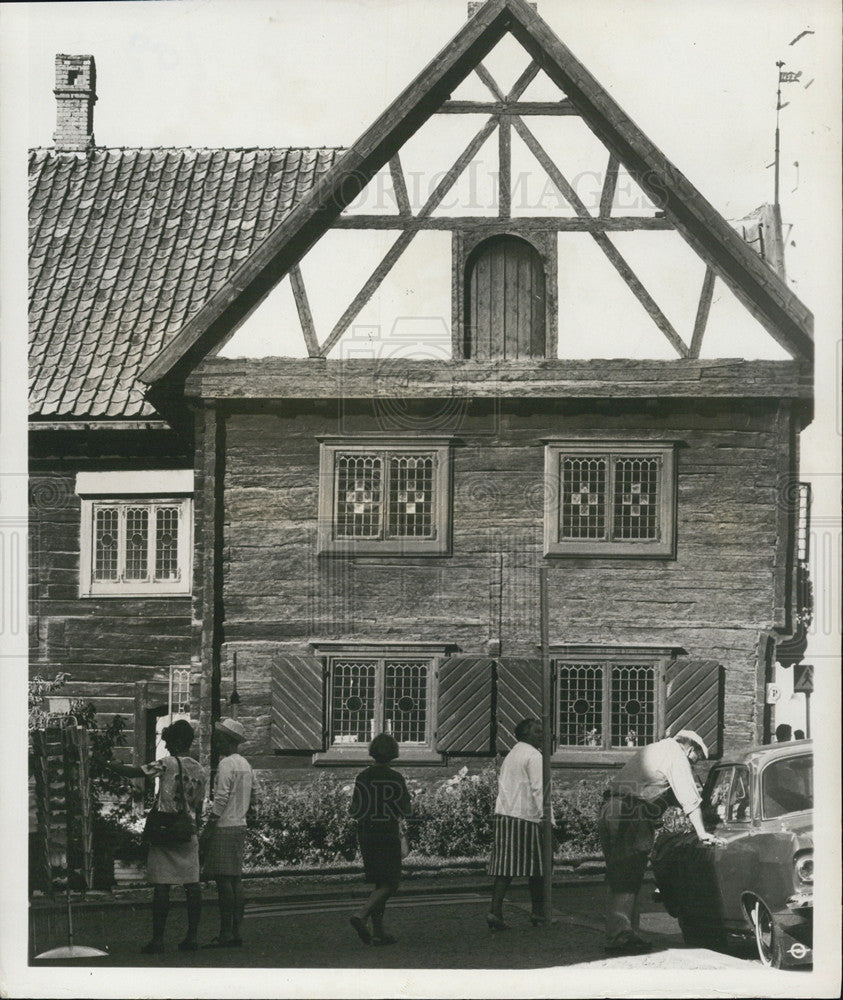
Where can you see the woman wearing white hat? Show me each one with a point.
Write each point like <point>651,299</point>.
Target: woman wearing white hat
<point>224,835</point>
<point>632,805</point>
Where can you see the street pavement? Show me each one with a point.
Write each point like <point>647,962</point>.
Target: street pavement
<point>438,926</point>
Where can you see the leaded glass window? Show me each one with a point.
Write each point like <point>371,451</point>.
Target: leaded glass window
<point>405,700</point>
<point>382,498</point>
<point>583,505</point>
<point>636,507</point>
<point>605,704</point>
<point>106,534</point>
<point>609,498</point>
<point>137,546</point>
<point>370,695</point>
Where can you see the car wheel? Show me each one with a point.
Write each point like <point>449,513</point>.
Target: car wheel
<point>767,937</point>
<point>697,935</point>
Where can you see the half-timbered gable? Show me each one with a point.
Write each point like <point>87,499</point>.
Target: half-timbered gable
<point>500,331</point>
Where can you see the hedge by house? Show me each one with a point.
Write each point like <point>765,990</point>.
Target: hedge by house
<point>308,823</point>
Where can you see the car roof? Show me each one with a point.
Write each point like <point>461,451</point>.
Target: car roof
<point>772,751</point>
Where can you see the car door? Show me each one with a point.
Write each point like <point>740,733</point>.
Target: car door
<point>735,863</point>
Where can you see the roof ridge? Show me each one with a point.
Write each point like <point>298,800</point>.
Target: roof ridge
<point>171,149</point>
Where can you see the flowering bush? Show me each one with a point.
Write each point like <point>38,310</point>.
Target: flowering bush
<point>303,823</point>
<point>453,818</point>
<point>575,809</point>
<point>309,822</point>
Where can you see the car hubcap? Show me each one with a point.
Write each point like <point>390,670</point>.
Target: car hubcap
<point>763,932</point>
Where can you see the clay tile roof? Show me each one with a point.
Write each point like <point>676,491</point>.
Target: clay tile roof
<point>126,245</point>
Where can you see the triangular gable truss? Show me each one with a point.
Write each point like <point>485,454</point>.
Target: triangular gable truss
<point>721,248</point>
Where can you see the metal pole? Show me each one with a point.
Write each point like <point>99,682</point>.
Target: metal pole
<point>547,829</point>
<point>170,699</point>
<point>234,700</point>
<point>807,715</point>
<point>779,65</point>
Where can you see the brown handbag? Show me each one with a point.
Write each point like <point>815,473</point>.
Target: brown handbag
<point>163,828</point>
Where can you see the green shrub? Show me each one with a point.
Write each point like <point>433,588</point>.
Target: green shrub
<point>309,822</point>
<point>454,818</point>
<point>300,824</point>
<point>575,809</point>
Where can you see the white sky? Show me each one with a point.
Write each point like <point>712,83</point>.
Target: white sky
<point>698,77</point>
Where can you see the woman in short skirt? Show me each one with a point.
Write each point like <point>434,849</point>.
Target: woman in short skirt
<point>181,787</point>
<point>379,801</point>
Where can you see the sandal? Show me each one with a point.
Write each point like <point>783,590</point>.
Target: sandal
<point>188,945</point>
<point>153,948</point>
<point>496,923</point>
<point>361,928</point>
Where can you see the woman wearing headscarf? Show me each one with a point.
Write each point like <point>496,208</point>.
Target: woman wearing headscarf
<point>181,788</point>
<point>379,801</point>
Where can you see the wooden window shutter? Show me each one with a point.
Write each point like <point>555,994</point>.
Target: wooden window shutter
<point>464,715</point>
<point>519,696</point>
<point>297,697</point>
<point>694,700</point>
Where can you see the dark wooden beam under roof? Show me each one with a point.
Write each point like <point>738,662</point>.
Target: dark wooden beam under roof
<point>547,108</point>
<point>315,378</point>
<point>529,223</point>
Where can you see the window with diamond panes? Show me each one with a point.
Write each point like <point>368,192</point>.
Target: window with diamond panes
<point>370,696</point>
<point>636,508</point>
<point>617,501</point>
<point>605,705</point>
<point>583,508</point>
<point>137,546</point>
<point>384,499</point>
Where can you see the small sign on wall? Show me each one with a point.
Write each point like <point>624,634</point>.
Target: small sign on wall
<point>774,694</point>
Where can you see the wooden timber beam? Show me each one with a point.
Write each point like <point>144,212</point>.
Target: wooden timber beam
<point>504,169</point>
<point>406,237</point>
<point>241,380</point>
<point>296,233</point>
<point>489,81</point>
<point>534,223</point>
<point>400,186</point>
<point>640,292</point>
<point>524,81</point>
<point>609,249</point>
<point>703,308</point>
<point>305,315</point>
<point>772,303</point>
<point>553,172</point>
<point>549,109</point>
<point>610,182</point>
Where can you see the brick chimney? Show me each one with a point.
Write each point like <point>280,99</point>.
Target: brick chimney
<point>76,86</point>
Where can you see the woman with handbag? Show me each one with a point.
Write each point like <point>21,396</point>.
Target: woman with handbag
<point>379,802</point>
<point>170,831</point>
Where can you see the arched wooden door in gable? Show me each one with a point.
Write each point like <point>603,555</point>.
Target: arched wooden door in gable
<point>505,305</point>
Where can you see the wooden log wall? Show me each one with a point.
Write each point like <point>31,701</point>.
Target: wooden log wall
<point>713,600</point>
<point>106,644</point>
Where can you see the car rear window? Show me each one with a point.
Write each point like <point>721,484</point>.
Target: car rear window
<point>787,786</point>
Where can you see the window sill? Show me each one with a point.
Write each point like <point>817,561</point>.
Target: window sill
<point>609,550</point>
<point>572,757</point>
<point>360,758</point>
<point>134,593</point>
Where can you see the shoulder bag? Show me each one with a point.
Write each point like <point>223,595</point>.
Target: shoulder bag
<point>163,828</point>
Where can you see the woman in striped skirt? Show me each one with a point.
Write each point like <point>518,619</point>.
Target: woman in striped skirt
<point>517,848</point>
